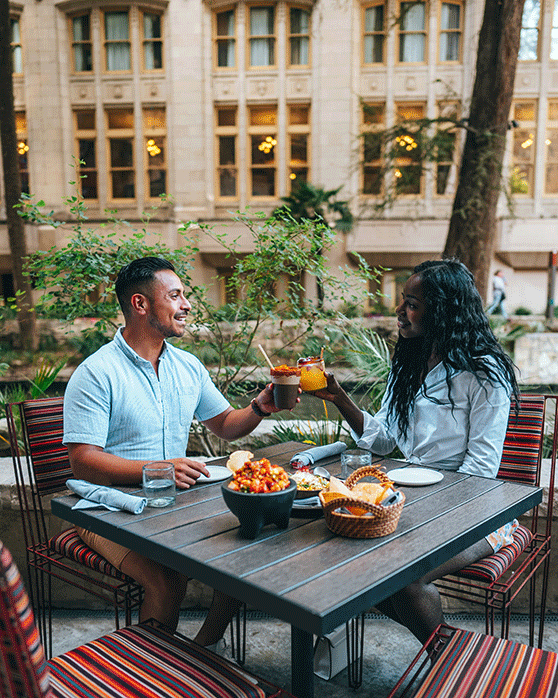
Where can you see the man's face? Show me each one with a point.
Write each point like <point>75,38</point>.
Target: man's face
<point>168,307</point>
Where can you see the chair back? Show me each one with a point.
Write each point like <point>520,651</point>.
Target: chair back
<point>24,672</point>
<point>521,456</point>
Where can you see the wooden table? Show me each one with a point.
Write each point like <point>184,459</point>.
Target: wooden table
<point>305,575</point>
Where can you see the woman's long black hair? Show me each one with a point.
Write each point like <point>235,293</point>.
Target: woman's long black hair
<point>456,329</point>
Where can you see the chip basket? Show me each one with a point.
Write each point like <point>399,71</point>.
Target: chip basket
<point>384,521</point>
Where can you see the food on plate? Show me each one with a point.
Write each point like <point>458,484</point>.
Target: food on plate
<point>259,477</point>
<point>237,459</point>
<point>307,481</point>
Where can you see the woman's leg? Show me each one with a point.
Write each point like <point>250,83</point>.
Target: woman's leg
<point>418,606</point>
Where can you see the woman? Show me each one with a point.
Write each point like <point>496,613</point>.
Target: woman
<point>446,404</point>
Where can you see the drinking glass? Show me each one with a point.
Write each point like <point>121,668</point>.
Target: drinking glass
<point>353,460</point>
<point>159,487</point>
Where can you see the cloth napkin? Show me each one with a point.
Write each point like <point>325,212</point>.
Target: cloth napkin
<point>312,455</point>
<point>107,497</point>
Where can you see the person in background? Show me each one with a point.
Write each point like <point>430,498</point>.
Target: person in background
<point>132,402</point>
<point>446,405</point>
<point>498,295</point>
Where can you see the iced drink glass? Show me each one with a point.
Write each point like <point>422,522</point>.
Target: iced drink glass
<point>286,380</point>
<point>312,373</point>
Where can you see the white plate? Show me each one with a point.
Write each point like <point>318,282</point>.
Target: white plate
<point>216,473</point>
<point>415,476</point>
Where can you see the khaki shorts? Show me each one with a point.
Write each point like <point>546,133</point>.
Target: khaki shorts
<point>112,552</point>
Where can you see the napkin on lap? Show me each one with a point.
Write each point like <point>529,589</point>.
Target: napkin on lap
<point>314,454</point>
<point>108,497</point>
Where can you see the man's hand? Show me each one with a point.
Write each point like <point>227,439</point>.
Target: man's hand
<point>265,399</point>
<point>187,471</point>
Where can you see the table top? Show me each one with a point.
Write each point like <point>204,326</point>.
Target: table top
<point>306,575</point>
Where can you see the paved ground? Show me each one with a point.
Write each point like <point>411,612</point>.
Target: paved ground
<point>388,648</point>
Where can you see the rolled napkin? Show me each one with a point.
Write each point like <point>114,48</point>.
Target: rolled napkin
<point>312,455</point>
<point>108,497</point>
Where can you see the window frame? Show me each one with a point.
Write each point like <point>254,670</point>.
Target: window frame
<point>529,126</point>
<point>295,130</point>
<point>85,134</point>
<point>367,128</point>
<point>120,134</point>
<point>262,130</point>
<point>152,133</point>
<point>16,19</point>
<point>458,31</point>
<point>74,42</point>
<point>227,131</point>
<point>538,30</point>
<point>105,42</point>
<point>382,33</point>
<point>298,36</point>
<point>398,162</point>
<point>250,37</point>
<point>217,38</point>
<point>143,11</point>
<point>442,107</point>
<point>409,32</point>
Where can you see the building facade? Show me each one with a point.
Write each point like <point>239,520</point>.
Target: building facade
<point>226,105</point>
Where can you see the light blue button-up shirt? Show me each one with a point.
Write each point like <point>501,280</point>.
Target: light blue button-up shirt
<point>115,400</point>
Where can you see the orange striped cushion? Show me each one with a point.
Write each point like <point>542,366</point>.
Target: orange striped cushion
<point>43,418</point>
<point>523,441</point>
<point>145,661</point>
<point>69,544</point>
<point>491,568</point>
<point>23,670</point>
<point>473,665</point>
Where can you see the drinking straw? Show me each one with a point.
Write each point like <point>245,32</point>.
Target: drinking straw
<point>266,356</point>
<point>322,353</point>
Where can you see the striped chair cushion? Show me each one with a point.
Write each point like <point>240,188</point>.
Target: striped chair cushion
<point>473,665</point>
<point>491,568</point>
<point>69,544</point>
<point>520,457</point>
<point>145,661</point>
<point>23,670</point>
<point>43,419</point>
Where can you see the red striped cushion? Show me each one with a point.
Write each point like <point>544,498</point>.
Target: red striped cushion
<point>23,670</point>
<point>69,544</point>
<point>491,568</point>
<point>145,661</point>
<point>520,456</point>
<point>43,418</point>
<point>473,665</point>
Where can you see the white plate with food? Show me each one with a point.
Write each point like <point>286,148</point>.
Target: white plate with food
<point>216,474</point>
<point>415,477</point>
<point>308,484</point>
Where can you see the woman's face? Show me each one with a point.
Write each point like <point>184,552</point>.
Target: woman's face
<point>411,310</point>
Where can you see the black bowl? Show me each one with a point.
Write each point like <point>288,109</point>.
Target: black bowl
<point>255,510</point>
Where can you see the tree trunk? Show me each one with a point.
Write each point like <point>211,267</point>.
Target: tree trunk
<point>472,228</point>
<point>12,184</point>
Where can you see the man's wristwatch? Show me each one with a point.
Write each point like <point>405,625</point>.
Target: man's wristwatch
<point>258,410</point>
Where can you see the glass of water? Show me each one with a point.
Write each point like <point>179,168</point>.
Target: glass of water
<point>159,487</point>
<point>353,460</point>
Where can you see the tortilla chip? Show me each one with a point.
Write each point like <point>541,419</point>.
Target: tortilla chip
<point>237,459</point>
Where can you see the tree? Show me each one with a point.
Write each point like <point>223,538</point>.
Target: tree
<point>472,230</point>
<point>12,184</point>
<point>307,202</point>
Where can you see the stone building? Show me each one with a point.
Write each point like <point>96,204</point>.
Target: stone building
<point>226,104</point>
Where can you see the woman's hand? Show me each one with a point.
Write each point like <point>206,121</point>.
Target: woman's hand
<point>332,391</point>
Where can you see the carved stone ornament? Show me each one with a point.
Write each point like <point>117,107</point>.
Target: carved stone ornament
<point>117,91</point>
<point>411,83</point>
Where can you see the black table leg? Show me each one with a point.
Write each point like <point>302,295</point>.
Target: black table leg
<point>302,663</point>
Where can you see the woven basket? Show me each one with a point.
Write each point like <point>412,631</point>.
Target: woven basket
<point>384,521</point>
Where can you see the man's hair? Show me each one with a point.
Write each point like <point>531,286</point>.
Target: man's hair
<point>137,277</point>
<point>456,329</point>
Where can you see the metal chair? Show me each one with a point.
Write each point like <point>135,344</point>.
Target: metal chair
<point>41,468</point>
<point>144,660</point>
<point>496,580</point>
<point>461,663</point>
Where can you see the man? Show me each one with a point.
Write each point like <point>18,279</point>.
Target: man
<point>132,402</point>
<point>498,295</point>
